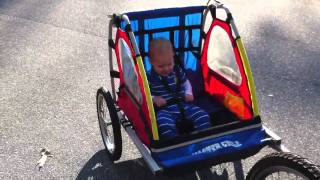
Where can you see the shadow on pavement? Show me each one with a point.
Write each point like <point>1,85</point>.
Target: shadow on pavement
<point>99,167</point>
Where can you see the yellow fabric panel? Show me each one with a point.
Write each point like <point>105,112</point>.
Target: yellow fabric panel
<point>235,104</point>
<point>248,73</point>
<point>152,115</point>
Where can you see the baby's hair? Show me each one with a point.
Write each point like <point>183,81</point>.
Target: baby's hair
<point>159,46</point>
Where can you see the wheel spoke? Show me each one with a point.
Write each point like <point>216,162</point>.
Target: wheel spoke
<point>288,175</point>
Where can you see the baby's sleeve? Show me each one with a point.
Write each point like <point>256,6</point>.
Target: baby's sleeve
<point>186,85</point>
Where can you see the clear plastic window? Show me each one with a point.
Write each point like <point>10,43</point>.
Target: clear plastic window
<point>221,58</point>
<point>129,73</point>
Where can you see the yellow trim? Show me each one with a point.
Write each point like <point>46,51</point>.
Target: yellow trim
<point>148,97</point>
<point>248,73</point>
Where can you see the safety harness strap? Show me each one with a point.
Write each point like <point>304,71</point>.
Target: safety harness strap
<point>183,124</point>
<point>177,98</point>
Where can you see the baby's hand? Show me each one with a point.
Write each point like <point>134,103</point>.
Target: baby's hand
<point>188,98</point>
<point>159,101</point>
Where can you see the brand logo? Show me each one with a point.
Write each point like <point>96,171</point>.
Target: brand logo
<point>220,145</point>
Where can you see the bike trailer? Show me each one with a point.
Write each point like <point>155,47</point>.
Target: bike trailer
<point>210,50</point>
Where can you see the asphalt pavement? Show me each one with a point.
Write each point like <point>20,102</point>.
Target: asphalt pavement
<point>54,57</point>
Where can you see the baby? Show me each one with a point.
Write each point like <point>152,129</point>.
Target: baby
<point>163,79</point>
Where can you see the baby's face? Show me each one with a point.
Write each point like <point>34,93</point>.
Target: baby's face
<point>163,63</point>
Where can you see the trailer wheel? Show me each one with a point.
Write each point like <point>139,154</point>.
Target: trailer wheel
<point>109,124</point>
<point>281,165</point>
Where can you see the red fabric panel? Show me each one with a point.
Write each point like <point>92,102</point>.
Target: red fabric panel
<point>131,111</point>
<point>124,101</point>
<point>218,86</point>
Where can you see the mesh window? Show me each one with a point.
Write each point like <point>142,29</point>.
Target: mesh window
<point>221,58</point>
<point>129,73</point>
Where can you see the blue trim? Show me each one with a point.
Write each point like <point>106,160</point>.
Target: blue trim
<point>181,36</point>
<point>156,13</point>
<point>214,147</point>
<point>141,37</point>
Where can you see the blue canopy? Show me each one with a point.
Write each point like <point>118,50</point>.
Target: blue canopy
<point>180,25</point>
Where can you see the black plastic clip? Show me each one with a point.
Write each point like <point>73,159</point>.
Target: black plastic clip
<point>203,34</point>
<point>229,18</point>
<point>213,11</point>
<point>114,74</point>
<point>116,20</point>
<point>111,43</point>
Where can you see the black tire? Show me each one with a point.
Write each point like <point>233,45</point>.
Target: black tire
<point>284,163</point>
<point>112,140</point>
